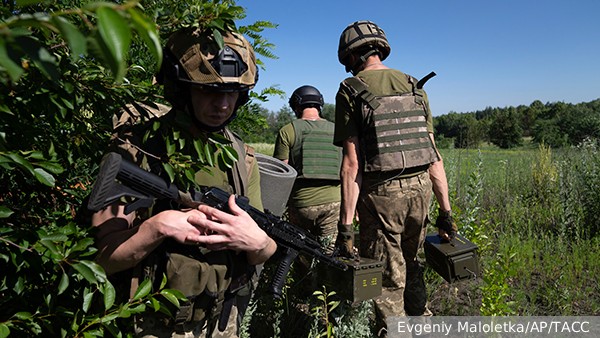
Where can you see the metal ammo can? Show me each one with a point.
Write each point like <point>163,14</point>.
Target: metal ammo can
<point>362,280</point>
<point>455,260</point>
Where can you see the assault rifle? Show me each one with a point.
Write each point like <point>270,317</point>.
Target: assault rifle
<point>119,178</point>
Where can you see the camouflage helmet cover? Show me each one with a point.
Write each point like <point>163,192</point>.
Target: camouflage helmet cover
<point>361,34</point>
<point>201,61</point>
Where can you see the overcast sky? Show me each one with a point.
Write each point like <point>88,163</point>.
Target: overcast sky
<point>485,53</point>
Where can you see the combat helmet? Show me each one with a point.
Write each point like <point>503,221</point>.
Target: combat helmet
<point>305,96</point>
<point>193,57</point>
<point>364,37</point>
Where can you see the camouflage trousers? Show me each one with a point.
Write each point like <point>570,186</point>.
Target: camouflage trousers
<point>393,217</point>
<point>320,220</point>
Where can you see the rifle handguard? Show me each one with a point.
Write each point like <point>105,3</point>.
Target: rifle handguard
<point>120,178</point>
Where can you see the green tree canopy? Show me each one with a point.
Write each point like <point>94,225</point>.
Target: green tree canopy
<point>556,124</point>
<point>505,129</point>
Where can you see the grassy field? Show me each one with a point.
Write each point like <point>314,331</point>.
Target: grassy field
<point>533,212</point>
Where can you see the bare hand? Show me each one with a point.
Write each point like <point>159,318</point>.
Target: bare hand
<point>177,225</point>
<point>235,231</point>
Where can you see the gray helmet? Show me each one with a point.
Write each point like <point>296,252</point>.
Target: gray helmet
<point>305,96</point>
<point>362,36</point>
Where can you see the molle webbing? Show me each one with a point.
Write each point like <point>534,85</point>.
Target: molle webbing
<point>319,159</point>
<point>394,134</point>
<point>313,155</point>
<point>397,133</point>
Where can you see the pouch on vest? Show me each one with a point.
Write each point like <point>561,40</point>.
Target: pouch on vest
<point>202,279</point>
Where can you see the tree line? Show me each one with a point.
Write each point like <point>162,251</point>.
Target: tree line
<point>555,124</point>
<point>273,121</point>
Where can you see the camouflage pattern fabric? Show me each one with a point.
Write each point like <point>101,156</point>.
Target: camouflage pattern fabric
<point>393,217</point>
<point>320,220</point>
<point>396,136</point>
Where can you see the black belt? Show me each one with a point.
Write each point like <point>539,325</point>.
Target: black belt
<point>395,174</point>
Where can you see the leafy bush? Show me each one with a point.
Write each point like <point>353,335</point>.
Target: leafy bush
<point>65,68</point>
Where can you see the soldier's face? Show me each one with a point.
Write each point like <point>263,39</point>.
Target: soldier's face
<point>213,108</point>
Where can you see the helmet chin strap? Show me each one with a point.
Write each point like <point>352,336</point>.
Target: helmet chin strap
<point>361,61</point>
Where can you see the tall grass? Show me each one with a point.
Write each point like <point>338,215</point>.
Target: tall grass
<point>535,221</point>
<point>534,215</point>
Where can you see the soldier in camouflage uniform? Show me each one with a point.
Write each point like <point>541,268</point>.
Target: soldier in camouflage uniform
<point>314,204</point>
<point>307,145</point>
<point>389,168</point>
<point>209,255</point>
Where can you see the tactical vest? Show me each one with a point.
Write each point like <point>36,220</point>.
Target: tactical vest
<point>313,155</point>
<point>209,279</point>
<point>394,130</point>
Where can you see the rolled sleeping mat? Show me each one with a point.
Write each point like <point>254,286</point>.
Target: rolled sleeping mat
<point>276,182</point>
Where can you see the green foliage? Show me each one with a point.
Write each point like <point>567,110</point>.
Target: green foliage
<point>537,210</point>
<point>496,290</point>
<point>323,311</point>
<point>579,181</point>
<point>263,148</point>
<point>186,155</point>
<point>251,123</point>
<point>505,129</point>
<point>548,132</point>
<point>55,112</point>
<point>472,224</point>
<point>549,284</point>
<point>544,174</point>
<point>83,301</point>
<point>465,129</point>
<point>261,46</point>
<point>71,32</point>
<point>328,112</point>
<point>354,321</point>
<point>556,124</point>
<point>273,122</point>
<point>66,68</point>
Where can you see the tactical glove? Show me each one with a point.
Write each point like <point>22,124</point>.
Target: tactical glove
<point>445,222</point>
<point>344,242</point>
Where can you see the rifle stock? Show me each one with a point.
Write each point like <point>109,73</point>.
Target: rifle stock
<point>118,178</point>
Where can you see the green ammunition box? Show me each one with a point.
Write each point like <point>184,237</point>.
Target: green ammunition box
<point>455,260</point>
<point>360,282</point>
